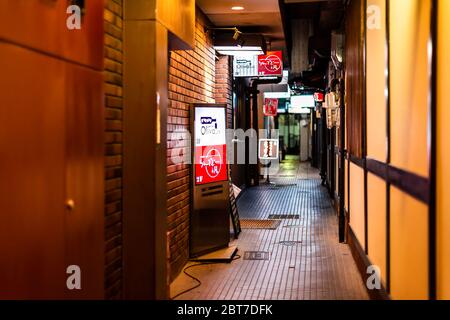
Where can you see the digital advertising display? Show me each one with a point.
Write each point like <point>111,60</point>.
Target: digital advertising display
<point>210,145</point>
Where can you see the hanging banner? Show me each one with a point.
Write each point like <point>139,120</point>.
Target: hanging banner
<point>210,145</point>
<point>270,107</point>
<point>319,97</point>
<point>268,149</point>
<point>271,64</point>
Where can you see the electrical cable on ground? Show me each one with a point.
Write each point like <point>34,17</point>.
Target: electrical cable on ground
<point>199,283</point>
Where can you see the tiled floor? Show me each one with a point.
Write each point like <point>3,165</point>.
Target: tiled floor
<point>306,260</point>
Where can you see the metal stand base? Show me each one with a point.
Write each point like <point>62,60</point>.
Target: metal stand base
<point>223,255</point>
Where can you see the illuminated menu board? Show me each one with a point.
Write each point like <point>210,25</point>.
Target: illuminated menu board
<point>210,145</point>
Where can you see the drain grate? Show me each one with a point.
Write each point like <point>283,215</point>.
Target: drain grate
<point>284,216</point>
<point>270,224</point>
<point>256,255</point>
<point>281,186</point>
<point>322,207</point>
<point>293,226</point>
<point>290,243</point>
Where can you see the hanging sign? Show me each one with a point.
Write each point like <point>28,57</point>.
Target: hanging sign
<point>210,145</point>
<point>271,64</point>
<point>270,107</point>
<point>246,66</point>
<point>268,149</point>
<point>319,97</point>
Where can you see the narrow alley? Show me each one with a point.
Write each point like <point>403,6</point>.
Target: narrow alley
<point>300,257</point>
<point>197,153</point>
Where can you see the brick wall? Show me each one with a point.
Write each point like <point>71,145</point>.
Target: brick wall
<point>113,148</point>
<point>224,85</point>
<point>191,80</point>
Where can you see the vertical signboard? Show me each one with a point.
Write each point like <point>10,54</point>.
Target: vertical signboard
<point>210,145</point>
<point>210,215</point>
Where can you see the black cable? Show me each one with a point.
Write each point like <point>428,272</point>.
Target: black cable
<point>199,283</point>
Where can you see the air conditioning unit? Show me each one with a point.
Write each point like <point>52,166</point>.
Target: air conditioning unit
<point>337,49</point>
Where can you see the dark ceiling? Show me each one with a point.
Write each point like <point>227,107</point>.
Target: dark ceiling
<point>325,16</point>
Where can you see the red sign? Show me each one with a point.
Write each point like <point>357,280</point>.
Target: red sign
<point>271,64</point>
<point>210,145</point>
<point>210,164</point>
<point>270,107</point>
<point>318,97</point>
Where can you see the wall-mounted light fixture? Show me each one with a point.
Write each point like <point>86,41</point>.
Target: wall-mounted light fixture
<point>232,42</point>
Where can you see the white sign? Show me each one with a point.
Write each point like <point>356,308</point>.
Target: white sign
<point>209,126</point>
<point>268,149</point>
<point>303,101</point>
<point>245,66</point>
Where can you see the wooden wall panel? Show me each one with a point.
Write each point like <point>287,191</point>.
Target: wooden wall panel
<point>34,24</point>
<point>84,224</point>
<point>41,25</point>
<point>178,16</point>
<point>443,152</point>
<point>357,202</point>
<point>376,83</point>
<point>376,215</point>
<point>354,77</point>
<point>52,142</point>
<point>144,166</point>
<point>83,46</point>
<point>347,196</point>
<point>409,35</point>
<point>409,247</point>
<point>32,115</point>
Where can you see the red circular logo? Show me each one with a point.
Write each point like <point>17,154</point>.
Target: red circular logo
<point>271,63</point>
<point>212,162</point>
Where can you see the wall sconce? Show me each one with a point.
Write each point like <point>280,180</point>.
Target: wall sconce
<point>238,43</point>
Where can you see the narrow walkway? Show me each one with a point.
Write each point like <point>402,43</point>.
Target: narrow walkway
<point>305,259</point>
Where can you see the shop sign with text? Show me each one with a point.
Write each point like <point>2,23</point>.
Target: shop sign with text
<point>271,64</point>
<point>210,145</point>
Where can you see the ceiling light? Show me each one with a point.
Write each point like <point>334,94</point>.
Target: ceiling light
<point>239,50</point>
<point>237,8</point>
<point>245,45</point>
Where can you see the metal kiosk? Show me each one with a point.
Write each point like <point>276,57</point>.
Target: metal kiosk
<point>210,215</point>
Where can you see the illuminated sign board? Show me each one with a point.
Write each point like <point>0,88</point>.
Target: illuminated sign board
<point>270,107</point>
<point>210,145</point>
<point>271,64</point>
<point>294,110</point>
<point>245,66</point>
<point>268,149</point>
<point>268,65</point>
<point>319,97</point>
<point>304,101</point>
